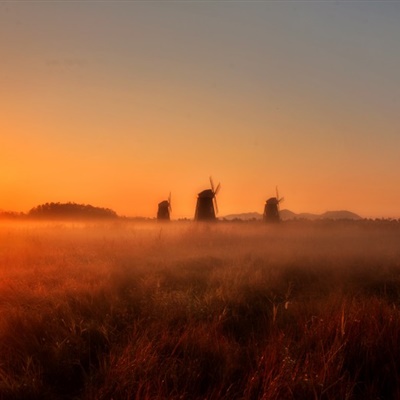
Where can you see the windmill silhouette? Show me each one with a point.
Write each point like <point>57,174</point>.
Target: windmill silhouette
<point>164,210</point>
<point>271,209</point>
<point>207,207</point>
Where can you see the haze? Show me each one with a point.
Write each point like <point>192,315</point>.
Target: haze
<point>117,104</point>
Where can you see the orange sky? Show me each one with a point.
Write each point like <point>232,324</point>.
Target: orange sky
<point>117,104</point>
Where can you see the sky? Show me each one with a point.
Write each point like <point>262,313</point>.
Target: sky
<point>118,103</point>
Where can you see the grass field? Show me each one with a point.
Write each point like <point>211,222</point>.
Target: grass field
<point>190,311</point>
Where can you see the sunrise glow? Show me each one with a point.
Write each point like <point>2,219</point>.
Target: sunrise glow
<point>117,104</point>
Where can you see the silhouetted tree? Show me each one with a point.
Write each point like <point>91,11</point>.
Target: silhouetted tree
<point>71,210</point>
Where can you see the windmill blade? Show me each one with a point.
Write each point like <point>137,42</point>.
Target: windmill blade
<point>217,189</point>
<point>277,196</point>
<point>212,184</point>
<point>215,205</point>
<point>169,202</point>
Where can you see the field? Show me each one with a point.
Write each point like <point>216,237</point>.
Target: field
<point>124,310</point>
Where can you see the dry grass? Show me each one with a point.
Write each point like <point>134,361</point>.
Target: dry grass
<point>193,311</point>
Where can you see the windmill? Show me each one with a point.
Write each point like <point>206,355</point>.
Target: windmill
<point>164,210</point>
<point>207,207</point>
<point>271,209</point>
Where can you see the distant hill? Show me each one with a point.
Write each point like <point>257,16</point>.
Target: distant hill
<point>340,215</point>
<point>70,211</point>
<point>288,215</point>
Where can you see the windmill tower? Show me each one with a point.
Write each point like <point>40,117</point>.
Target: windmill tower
<point>164,210</point>
<point>271,209</point>
<point>207,207</point>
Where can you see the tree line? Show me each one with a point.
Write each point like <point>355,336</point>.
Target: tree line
<point>63,211</point>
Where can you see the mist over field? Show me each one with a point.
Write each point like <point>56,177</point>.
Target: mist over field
<point>128,310</point>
